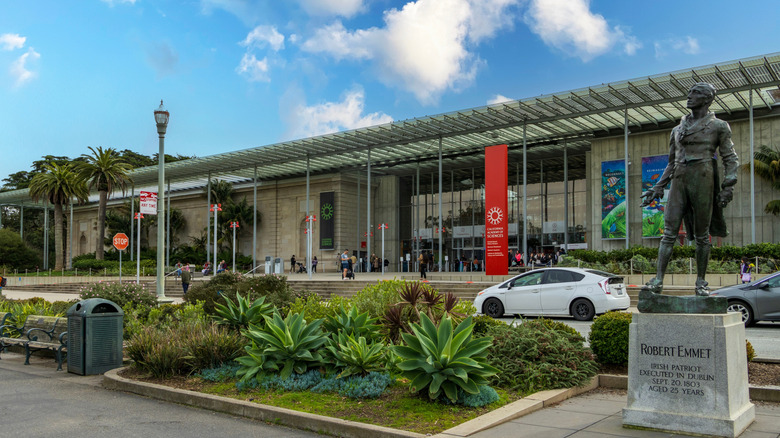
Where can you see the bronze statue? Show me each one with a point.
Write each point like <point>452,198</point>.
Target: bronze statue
<point>695,198</point>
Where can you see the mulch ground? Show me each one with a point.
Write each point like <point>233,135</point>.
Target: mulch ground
<point>759,373</point>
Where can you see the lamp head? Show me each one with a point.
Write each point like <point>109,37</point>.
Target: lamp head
<point>161,116</point>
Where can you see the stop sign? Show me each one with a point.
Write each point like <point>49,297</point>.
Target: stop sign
<point>121,241</point>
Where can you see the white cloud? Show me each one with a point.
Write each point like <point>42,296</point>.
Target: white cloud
<point>19,68</point>
<point>687,45</point>
<point>425,47</point>
<point>498,98</point>
<point>570,26</point>
<point>261,36</point>
<point>248,11</point>
<point>11,41</point>
<point>343,8</point>
<point>112,3</point>
<point>252,69</point>
<point>306,121</point>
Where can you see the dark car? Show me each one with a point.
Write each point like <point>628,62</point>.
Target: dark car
<point>757,301</point>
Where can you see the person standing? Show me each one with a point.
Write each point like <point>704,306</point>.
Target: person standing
<point>344,264</point>
<point>314,264</point>
<point>186,277</point>
<point>292,264</point>
<point>746,270</point>
<point>423,259</point>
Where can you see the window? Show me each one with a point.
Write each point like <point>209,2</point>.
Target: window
<point>560,276</point>
<point>531,279</point>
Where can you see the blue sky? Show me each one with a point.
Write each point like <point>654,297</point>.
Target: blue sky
<point>238,73</point>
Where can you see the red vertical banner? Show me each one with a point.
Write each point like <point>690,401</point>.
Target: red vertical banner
<point>496,211</point>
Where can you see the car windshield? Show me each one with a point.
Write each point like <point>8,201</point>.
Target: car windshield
<point>601,273</point>
<point>773,280</point>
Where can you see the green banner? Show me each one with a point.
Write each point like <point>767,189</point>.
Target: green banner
<point>327,219</point>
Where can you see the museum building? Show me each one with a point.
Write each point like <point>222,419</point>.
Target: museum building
<point>578,162</point>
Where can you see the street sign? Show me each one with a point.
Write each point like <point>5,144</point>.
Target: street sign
<point>121,241</point>
<point>148,203</point>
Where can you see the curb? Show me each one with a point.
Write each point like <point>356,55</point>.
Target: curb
<point>335,426</point>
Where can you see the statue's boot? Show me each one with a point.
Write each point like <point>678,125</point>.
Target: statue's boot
<point>702,288</point>
<point>654,285</point>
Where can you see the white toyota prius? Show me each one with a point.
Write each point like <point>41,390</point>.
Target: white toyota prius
<point>581,293</point>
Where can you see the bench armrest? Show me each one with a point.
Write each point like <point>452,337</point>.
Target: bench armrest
<point>64,338</point>
<point>48,333</point>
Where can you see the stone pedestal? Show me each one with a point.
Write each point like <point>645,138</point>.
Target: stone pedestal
<point>687,373</point>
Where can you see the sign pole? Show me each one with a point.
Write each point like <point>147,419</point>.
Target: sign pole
<point>120,266</point>
<point>234,225</point>
<point>138,216</point>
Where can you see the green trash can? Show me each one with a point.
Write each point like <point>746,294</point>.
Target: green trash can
<point>95,330</point>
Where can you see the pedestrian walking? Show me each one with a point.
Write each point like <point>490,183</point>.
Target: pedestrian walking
<point>186,278</point>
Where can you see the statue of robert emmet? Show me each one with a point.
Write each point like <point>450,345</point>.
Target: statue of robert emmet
<point>696,197</point>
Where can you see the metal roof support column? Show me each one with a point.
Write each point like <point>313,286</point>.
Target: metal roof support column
<point>2,207</point>
<point>357,222</point>
<point>368,205</point>
<point>21,221</point>
<point>525,198</point>
<point>254,222</point>
<point>309,228</point>
<point>46,236</point>
<point>452,209</point>
<point>168,228</point>
<point>208,221</point>
<point>752,178</point>
<point>543,202</point>
<point>426,215</point>
<point>417,219</point>
<point>440,213</point>
<point>626,163</point>
<point>565,198</point>
<point>517,204</point>
<point>473,223</point>
<point>70,236</point>
<point>132,216</point>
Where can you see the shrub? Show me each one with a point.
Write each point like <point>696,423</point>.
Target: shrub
<point>751,353</point>
<point>294,382</point>
<point>533,357</point>
<point>120,294</point>
<point>284,345</point>
<point>355,356</point>
<point>377,298</point>
<point>483,324</point>
<point>609,337</point>
<point>183,348</point>
<point>443,360</point>
<point>222,373</point>
<point>274,288</point>
<point>316,307</point>
<point>371,385</point>
<point>485,396</point>
<point>242,314</point>
<point>21,309</point>
<point>14,254</point>
<point>558,326</point>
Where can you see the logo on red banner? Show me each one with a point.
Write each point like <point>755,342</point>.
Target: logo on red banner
<point>496,224</point>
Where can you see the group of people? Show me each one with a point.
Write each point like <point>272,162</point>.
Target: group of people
<point>536,258</point>
<point>296,266</point>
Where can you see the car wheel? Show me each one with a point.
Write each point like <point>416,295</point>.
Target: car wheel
<point>744,309</point>
<point>582,310</point>
<point>493,308</point>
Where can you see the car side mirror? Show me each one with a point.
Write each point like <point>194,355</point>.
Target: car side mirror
<point>764,285</point>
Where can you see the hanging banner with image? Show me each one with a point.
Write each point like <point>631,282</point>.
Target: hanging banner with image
<point>653,214</point>
<point>327,219</point>
<point>496,211</point>
<point>613,199</point>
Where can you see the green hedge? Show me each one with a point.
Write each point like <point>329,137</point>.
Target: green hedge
<point>720,253</point>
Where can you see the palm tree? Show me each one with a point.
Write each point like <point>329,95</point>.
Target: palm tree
<point>240,212</point>
<point>105,171</point>
<point>767,167</point>
<point>58,184</point>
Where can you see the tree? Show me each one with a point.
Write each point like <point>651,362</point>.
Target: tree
<point>14,254</point>
<point>767,167</point>
<point>105,171</point>
<point>239,212</point>
<point>58,185</point>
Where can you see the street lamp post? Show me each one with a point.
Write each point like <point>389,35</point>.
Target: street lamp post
<point>161,117</point>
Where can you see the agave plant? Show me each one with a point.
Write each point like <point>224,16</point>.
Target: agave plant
<point>356,356</point>
<point>352,323</point>
<point>242,314</point>
<point>284,345</point>
<point>443,359</point>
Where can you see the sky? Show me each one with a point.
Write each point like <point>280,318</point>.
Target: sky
<point>237,74</point>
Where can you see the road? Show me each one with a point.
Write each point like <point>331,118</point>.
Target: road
<point>764,336</point>
<point>41,402</point>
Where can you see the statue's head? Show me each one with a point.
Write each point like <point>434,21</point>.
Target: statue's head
<point>701,93</point>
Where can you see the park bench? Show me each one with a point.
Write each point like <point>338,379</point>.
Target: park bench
<point>37,333</point>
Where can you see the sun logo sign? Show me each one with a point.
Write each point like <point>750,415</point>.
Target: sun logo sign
<point>326,211</point>
<point>495,215</point>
